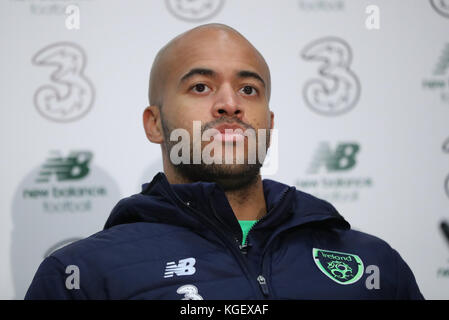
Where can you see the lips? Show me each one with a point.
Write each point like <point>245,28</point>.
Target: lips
<point>228,127</point>
<point>227,133</point>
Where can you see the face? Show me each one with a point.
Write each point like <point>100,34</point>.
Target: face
<point>217,78</point>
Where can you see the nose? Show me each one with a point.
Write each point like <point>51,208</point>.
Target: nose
<point>227,103</point>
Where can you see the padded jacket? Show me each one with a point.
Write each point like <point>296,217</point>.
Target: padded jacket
<point>183,241</point>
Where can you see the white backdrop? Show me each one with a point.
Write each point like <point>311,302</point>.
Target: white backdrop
<point>373,144</point>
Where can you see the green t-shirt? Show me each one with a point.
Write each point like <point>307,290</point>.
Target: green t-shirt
<point>246,225</point>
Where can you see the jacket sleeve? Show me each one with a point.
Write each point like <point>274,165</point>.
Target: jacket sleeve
<point>407,288</point>
<point>49,283</point>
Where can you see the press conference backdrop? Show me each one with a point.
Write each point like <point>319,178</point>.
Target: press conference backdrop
<point>360,92</point>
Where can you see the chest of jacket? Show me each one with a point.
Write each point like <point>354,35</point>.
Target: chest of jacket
<point>185,265</point>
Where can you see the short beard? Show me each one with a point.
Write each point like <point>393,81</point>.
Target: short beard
<point>229,177</point>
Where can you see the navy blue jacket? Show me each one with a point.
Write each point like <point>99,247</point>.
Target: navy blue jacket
<point>184,242</point>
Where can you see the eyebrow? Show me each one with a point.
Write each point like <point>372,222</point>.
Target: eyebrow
<point>198,71</point>
<point>212,74</point>
<point>251,74</point>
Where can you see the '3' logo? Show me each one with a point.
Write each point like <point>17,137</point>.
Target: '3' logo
<point>338,88</point>
<point>190,292</point>
<point>70,94</point>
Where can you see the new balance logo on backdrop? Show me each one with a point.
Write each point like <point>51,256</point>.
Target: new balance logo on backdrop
<point>342,159</point>
<point>438,82</point>
<point>68,183</point>
<point>73,167</point>
<point>185,267</point>
<point>333,172</point>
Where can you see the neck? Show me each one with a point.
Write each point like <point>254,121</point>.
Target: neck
<point>247,203</point>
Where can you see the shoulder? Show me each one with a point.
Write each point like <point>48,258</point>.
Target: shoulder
<point>129,236</point>
<point>121,247</point>
<point>307,202</point>
<point>363,239</point>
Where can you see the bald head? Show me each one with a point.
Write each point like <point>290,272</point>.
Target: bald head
<point>172,54</point>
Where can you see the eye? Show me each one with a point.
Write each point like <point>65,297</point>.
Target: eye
<point>200,88</point>
<point>248,90</point>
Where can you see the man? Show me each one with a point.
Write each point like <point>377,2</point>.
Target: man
<point>215,230</point>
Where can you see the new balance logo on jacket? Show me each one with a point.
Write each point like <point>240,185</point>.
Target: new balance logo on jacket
<point>185,267</point>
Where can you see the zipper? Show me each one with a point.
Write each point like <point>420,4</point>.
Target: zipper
<point>236,249</point>
<point>224,237</point>
<point>224,224</point>
<point>284,193</point>
<point>263,285</point>
<point>243,248</point>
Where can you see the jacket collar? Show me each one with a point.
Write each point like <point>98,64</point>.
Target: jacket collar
<point>161,201</point>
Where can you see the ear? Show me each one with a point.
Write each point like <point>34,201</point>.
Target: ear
<point>152,124</point>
